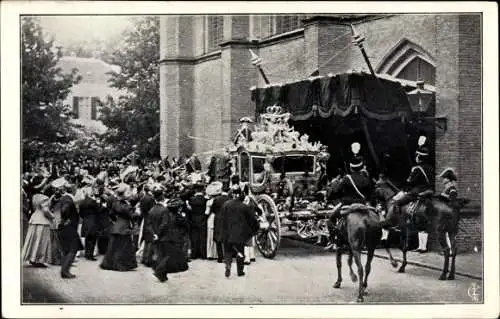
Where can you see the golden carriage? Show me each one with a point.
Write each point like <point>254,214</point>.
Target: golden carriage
<point>278,156</point>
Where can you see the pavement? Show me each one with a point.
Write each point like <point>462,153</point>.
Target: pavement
<point>299,274</point>
<point>466,264</point>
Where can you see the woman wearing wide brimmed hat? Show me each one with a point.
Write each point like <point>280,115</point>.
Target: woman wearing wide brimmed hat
<point>37,247</point>
<point>121,251</point>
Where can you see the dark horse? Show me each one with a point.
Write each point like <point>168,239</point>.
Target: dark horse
<point>443,216</point>
<point>362,228</point>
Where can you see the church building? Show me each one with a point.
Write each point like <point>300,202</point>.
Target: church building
<point>206,77</point>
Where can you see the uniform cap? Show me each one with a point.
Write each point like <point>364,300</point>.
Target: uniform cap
<point>246,119</point>
<point>448,173</point>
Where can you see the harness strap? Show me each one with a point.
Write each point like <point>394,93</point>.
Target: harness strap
<point>423,172</point>
<point>355,187</point>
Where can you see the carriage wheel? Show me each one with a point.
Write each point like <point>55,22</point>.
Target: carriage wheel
<point>268,240</point>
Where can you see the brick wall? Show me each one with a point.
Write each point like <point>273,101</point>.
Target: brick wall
<point>381,35</point>
<point>469,86</point>
<point>283,61</point>
<point>207,104</point>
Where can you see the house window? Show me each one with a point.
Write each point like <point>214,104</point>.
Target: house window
<point>215,32</point>
<point>76,106</point>
<point>93,108</point>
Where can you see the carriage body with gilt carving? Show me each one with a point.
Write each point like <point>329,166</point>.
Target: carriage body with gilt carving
<point>281,168</point>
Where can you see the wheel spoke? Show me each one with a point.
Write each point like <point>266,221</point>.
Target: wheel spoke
<point>271,241</point>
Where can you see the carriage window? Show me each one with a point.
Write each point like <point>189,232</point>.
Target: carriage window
<point>245,167</point>
<point>294,164</point>
<point>258,169</point>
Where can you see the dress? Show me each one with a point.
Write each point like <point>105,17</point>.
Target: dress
<point>121,251</point>
<point>211,246</point>
<point>171,257</point>
<point>36,248</point>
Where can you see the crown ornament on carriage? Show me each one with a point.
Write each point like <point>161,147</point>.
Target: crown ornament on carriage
<point>274,109</point>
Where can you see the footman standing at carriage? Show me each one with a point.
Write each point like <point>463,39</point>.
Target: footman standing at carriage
<point>244,133</point>
<point>419,183</point>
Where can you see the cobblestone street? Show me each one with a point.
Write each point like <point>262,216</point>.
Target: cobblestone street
<point>300,273</point>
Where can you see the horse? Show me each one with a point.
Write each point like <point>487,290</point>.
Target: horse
<point>362,228</point>
<point>444,217</point>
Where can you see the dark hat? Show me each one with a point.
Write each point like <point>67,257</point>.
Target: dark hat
<point>158,190</point>
<point>448,173</point>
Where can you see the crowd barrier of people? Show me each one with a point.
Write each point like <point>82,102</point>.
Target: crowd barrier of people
<point>162,214</point>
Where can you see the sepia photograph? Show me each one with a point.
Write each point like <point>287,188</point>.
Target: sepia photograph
<point>251,158</point>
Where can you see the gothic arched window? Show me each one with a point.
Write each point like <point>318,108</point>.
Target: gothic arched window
<point>407,60</point>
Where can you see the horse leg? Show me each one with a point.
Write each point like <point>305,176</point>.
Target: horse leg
<point>446,254</point>
<point>453,241</point>
<point>368,267</point>
<point>357,260</point>
<point>339,268</point>
<point>354,278</point>
<point>394,263</point>
<point>404,249</point>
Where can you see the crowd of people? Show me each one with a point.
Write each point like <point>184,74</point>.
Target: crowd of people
<point>162,214</point>
<point>169,212</point>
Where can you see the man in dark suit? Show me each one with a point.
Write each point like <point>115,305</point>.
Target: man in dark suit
<point>68,233</point>
<point>239,224</point>
<point>216,209</point>
<point>197,218</point>
<point>152,222</point>
<point>89,211</point>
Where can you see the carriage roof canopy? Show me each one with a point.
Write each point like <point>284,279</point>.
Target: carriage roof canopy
<point>336,95</point>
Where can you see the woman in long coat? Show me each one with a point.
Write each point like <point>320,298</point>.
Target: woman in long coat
<point>170,240</point>
<point>121,251</point>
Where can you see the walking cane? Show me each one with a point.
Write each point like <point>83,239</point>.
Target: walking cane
<point>240,255</point>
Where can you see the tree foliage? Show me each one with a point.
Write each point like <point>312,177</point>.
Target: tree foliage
<point>44,87</point>
<point>133,120</point>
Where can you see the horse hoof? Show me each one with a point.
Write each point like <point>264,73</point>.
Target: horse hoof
<point>451,277</point>
<point>337,285</point>
<point>394,264</point>
<point>354,278</point>
<point>401,270</point>
<point>360,299</point>
<point>442,277</point>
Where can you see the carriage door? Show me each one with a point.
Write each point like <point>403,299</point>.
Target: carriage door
<point>244,167</point>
